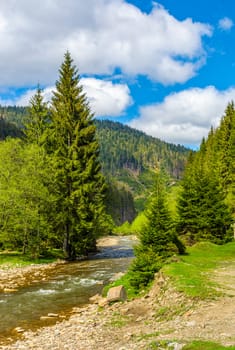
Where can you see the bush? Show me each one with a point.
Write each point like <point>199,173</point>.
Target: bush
<point>144,267</point>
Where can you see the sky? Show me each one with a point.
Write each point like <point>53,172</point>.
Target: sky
<point>166,68</point>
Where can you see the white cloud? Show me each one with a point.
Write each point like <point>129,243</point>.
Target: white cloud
<point>102,35</point>
<point>225,24</point>
<point>24,99</point>
<point>105,98</point>
<point>184,117</point>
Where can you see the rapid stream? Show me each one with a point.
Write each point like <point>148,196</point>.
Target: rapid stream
<point>70,285</point>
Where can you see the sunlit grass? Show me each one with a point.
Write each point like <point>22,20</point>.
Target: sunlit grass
<point>204,345</point>
<point>191,274</point>
<point>17,259</point>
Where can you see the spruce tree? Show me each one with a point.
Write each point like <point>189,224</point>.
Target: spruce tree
<point>36,121</point>
<point>203,213</point>
<point>79,183</point>
<point>158,240</point>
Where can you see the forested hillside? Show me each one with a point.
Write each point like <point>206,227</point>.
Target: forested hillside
<point>128,158</point>
<point>123,147</point>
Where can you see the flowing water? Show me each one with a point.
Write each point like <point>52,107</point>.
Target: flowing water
<point>69,286</point>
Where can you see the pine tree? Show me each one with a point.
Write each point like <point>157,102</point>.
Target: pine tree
<point>36,121</point>
<point>79,182</point>
<point>203,213</point>
<point>158,240</point>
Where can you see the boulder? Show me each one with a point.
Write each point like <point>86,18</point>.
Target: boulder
<point>116,294</point>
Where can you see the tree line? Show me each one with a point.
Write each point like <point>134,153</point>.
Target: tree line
<point>205,205</point>
<point>51,185</point>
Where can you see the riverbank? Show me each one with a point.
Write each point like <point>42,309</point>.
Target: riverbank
<point>162,319</point>
<point>13,278</point>
<point>163,316</point>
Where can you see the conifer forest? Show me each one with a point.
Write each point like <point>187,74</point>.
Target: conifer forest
<point>67,179</point>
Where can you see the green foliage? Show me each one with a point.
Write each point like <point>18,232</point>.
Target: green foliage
<point>36,121</point>
<point>14,116</point>
<point>158,240</point>
<point>79,184</point>
<point>125,148</point>
<point>139,223</point>
<point>191,274</point>
<point>144,267</point>
<point>206,345</point>
<point>130,156</point>
<point>8,129</point>
<point>119,202</point>
<point>203,212</point>
<point>17,259</point>
<point>124,281</point>
<point>127,156</point>
<point>133,228</point>
<point>25,199</point>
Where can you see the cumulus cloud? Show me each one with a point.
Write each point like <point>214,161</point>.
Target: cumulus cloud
<point>225,24</point>
<point>184,117</point>
<point>105,98</point>
<point>24,99</point>
<point>101,35</point>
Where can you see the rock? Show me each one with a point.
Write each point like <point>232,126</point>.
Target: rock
<point>102,302</point>
<point>124,311</point>
<point>175,346</point>
<point>116,294</point>
<point>52,315</point>
<point>19,330</point>
<point>191,324</point>
<point>44,318</point>
<point>9,290</point>
<point>95,298</point>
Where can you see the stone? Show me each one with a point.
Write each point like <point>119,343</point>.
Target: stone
<point>19,330</point>
<point>52,315</point>
<point>95,298</point>
<point>116,294</point>
<point>102,302</point>
<point>9,290</point>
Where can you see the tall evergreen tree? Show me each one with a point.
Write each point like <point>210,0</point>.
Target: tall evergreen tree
<point>36,121</point>
<point>158,240</point>
<point>203,213</point>
<point>79,182</point>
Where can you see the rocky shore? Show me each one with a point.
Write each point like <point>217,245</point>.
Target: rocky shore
<point>162,319</point>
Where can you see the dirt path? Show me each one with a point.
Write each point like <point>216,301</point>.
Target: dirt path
<point>163,318</point>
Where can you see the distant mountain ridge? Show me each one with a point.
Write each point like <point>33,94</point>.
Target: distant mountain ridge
<point>122,147</point>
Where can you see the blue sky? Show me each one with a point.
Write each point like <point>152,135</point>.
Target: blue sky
<point>166,68</point>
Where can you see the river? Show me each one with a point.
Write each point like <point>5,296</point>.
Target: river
<point>70,285</point>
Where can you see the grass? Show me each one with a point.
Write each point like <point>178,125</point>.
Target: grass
<point>192,274</point>
<point>124,281</point>
<point>17,259</point>
<point>118,320</point>
<point>204,345</point>
<point>167,313</point>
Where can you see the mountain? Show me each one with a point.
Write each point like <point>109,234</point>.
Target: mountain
<point>129,157</point>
